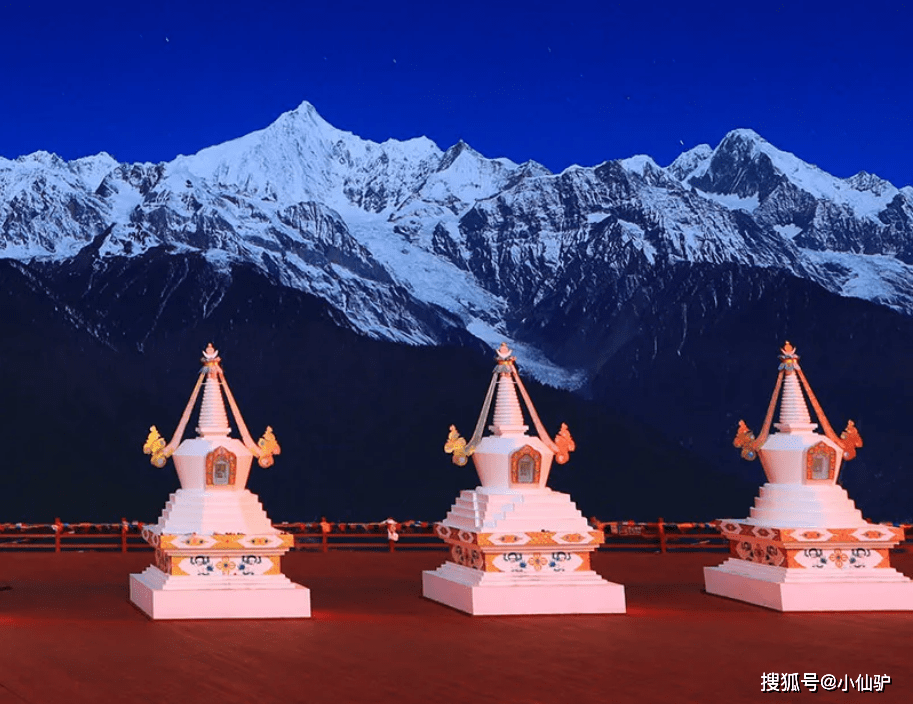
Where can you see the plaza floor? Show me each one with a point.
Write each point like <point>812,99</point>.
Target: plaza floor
<point>69,634</point>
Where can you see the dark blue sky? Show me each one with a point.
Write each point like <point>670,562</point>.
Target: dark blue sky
<point>560,82</point>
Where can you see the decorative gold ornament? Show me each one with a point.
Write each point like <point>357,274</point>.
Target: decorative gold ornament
<point>746,440</point>
<point>155,446</point>
<point>565,444</point>
<point>457,445</point>
<point>268,448</point>
<point>850,439</point>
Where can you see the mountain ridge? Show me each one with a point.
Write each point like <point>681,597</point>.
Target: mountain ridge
<point>366,225</point>
<point>652,294</point>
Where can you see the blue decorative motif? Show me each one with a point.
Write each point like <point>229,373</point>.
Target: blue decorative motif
<point>858,556</point>
<point>517,559</point>
<point>244,565</point>
<point>557,558</point>
<point>816,554</point>
<point>202,561</point>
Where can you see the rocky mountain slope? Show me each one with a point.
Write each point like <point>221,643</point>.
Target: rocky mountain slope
<point>654,292</point>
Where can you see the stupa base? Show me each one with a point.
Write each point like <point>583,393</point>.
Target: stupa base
<point>162,597</point>
<point>500,594</point>
<point>802,589</point>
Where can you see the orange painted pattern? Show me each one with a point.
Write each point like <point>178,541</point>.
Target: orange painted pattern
<point>224,541</point>
<point>557,539</point>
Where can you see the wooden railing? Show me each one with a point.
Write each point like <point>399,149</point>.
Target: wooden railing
<point>662,536</point>
<point>57,536</point>
<point>321,536</point>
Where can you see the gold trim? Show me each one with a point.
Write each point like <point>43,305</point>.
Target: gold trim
<point>457,445</point>
<point>268,448</point>
<point>565,444</point>
<point>585,565</point>
<point>155,446</point>
<point>222,542</point>
<point>570,540</point>
<point>850,439</point>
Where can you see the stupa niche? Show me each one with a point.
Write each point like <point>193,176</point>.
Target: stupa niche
<point>217,555</point>
<point>517,547</point>
<point>805,545</point>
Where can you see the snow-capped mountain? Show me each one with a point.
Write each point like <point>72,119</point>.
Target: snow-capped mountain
<point>409,243</point>
<point>657,292</point>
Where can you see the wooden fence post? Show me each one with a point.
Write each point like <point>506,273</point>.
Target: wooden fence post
<point>58,529</point>
<point>325,531</point>
<point>123,535</point>
<point>661,526</point>
<point>392,535</point>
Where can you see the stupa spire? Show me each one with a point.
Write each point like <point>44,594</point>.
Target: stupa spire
<point>213,421</point>
<point>213,418</point>
<point>794,416</point>
<point>508,416</point>
<point>794,412</point>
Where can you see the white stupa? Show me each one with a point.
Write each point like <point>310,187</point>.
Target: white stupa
<point>517,547</point>
<point>216,553</point>
<point>805,546</point>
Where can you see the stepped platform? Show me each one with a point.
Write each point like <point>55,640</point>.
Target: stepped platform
<point>71,635</point>
<point>486,510</point>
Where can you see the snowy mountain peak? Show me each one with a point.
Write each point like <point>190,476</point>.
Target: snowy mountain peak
<point>743,136</point>
<point>408,242</point>
<point>687,162</point>
<point>41,158</point>
<point>93,169</point>
<point>304,123</point>
<point>864,181</point>
<point>747,167</point>
<point>455,151</point>
<point>641,164</point>
<point>301,157</point>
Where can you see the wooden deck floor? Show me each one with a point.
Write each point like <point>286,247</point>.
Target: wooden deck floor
<point>69,634</point>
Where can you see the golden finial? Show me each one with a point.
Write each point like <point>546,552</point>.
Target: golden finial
<point>268,448</point>
<point>155,446</point>
<point>789,358</point>
<point>505,354</point>
<point>211,359</point>
<point>457,445</point>
<point>565,443</point>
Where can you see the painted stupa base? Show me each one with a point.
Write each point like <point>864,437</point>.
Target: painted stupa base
<point>503,562</point>
<point>219,575</point>
<point>811,568</point>
<point>790,589</point>
<point>162,596</point>
<point>500,594</point>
